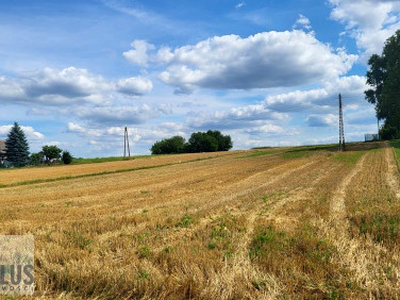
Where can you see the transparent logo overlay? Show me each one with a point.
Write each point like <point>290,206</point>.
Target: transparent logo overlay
<point>17,264</point>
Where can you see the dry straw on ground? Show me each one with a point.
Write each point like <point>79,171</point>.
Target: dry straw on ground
<point>244,225</point>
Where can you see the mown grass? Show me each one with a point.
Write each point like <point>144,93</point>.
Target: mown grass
<point>383,226</point>
<point>375,212</point>
<point>301,151</point>
<point>63,178</point>
<point>304,147</point>
<point>96,160</point>
<point>261,153</point>
<point>350,157</point>
<point>296,154</point>
<point>222,233</point>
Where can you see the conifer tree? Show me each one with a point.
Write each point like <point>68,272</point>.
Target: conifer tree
<point>17,148</point>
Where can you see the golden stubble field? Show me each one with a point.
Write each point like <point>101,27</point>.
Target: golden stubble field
<point>266,224</point>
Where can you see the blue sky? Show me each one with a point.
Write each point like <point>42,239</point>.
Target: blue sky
<point>74,73</point>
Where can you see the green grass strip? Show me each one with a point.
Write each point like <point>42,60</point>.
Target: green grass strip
<point>351,157</point>
<point>260,153</point>
<point>96,160</point>
<point>396,149</point>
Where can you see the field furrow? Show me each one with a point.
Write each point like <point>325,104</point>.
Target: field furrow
<point>367,259</point>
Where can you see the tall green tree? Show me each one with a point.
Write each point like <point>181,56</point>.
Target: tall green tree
<point>17,148</point>
<point>209,141</point>
<point>202,142</point>
<point>224,141</point>
<point>384,79</point>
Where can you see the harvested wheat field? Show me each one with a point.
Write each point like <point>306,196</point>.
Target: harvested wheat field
<point>261,224</point>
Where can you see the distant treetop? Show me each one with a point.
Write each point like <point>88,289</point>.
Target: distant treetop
<point>209,141</point>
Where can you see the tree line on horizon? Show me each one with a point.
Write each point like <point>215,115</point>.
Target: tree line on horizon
<point>210,141</point>
<point>17,151</point>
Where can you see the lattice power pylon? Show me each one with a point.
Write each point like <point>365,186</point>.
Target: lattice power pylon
<point>126,143</point>
<point>342,143</point>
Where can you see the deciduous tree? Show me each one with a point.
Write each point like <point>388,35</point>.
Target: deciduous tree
<point>384,79</point>
<point>51,152</point>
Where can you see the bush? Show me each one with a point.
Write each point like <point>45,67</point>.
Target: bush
<point>36,158</point>
<point>66,158</point>
<point>388,132</point>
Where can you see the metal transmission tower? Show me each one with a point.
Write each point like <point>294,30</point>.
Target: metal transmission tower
<point>342,143</point>
<point>126,143</point>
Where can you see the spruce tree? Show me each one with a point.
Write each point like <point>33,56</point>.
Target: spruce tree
<point>17,148</point>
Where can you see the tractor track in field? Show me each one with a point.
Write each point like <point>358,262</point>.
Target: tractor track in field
<point>362,256</point>
<point>338,208</point>
<point>392,176</point>
<point>276,211</point>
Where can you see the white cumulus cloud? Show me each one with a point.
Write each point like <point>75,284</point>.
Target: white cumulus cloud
<point>369,22</point>
<point>135,86</point>
<point>321,120</point>
<point>321,99</point>
<point>70,85</point>
<point>30,132</point>
<point>302,22</point>
<point>264,60</point>
<point>138,55</point>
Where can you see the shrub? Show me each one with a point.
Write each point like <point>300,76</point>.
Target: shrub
<point>388,132</point>
<point>66,158</point>
<point>36,158</point>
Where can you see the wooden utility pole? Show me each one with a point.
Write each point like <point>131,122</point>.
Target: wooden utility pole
<point>126,143</point>
<point>342,143</point>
